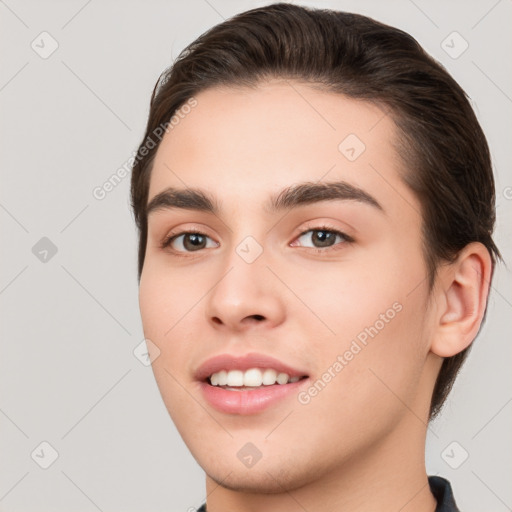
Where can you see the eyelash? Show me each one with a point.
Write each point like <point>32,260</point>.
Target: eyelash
<point>347,239</point>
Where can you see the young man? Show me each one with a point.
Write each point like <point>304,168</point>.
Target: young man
<point>315,203</point>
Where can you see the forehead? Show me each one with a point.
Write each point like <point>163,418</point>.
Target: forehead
<point>245,143</point>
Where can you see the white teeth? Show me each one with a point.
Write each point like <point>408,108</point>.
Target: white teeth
<point>269,377</point>
<point>282,378</point>
<point>222,378</point>
<point>235,378</point>
<point>254,377</point>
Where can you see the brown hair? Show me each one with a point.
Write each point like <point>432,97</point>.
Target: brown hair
<point>440,140</point>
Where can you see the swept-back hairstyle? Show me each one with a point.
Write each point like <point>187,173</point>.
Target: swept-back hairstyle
<point>443,149</point>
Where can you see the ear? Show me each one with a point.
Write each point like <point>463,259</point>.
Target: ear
<point>462,290</point>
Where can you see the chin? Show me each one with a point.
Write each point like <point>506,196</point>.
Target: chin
<point>265,480</point>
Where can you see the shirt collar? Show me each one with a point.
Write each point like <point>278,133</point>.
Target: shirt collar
<point>442,491</point>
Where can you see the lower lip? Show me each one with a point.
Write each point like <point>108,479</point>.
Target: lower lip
<point>251,401</point>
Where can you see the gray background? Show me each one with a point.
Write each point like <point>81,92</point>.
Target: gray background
<point>70,323</point>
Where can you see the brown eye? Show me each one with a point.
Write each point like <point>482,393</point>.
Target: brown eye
<point>320,238</point>
<point>193,241</point>
<point>189,242</point>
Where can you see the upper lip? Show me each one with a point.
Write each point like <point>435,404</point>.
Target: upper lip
<point>244,362</point>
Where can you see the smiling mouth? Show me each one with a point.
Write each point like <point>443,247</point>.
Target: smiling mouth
<point>248,384</point>
<point>251,379</point>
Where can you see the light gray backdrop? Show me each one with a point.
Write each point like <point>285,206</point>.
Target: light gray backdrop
<point>75,83</point>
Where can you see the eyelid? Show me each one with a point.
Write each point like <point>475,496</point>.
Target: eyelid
<point>323,226</point>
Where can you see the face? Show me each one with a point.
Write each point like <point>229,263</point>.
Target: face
<point>322,288</point>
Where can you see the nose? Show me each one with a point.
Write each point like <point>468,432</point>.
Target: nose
<point>247,296</point>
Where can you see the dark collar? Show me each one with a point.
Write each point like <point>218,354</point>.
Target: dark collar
<point>440,487</point>
<point>442,491</point>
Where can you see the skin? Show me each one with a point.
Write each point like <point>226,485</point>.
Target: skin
<point>358,445</point>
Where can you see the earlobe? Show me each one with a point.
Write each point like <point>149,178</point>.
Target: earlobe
<point>465,288</point>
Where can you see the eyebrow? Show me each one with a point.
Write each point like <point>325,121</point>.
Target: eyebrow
<point>293,196</point>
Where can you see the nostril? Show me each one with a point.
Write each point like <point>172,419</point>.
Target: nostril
<point>258,317</point>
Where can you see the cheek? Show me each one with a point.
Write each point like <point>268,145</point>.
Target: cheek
<point>372,315</point>
<point>166,303</point>
<point>350,297</point>
<point>167,308</point>
<point>370,369</point>
<point>166,295</point>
